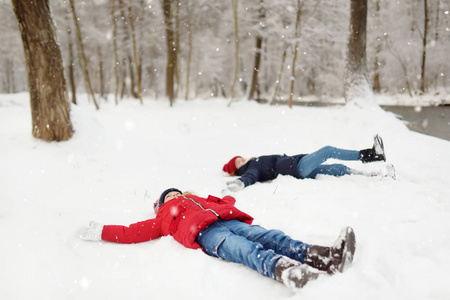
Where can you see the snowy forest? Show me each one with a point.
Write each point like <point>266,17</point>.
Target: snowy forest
<point>236,49</point>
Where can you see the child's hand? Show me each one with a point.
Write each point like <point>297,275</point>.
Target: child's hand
<point>235,185</point>
<point>93,232</point>
<point>226,192</point>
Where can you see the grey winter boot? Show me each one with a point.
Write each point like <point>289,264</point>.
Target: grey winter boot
<point>335,258</point>
<point>376,153</point>
<point>293,274</point>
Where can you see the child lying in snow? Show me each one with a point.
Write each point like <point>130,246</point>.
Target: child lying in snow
<point>217,227</point>
<point>301,166</point>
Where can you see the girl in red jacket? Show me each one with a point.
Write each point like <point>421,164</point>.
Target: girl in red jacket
<point>217,227</point>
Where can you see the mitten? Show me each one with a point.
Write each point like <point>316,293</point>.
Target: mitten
<point>226,192</point>
<point>235,185</point>
<point>93,232</point>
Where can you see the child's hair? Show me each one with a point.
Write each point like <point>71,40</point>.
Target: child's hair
<point>234,172</point>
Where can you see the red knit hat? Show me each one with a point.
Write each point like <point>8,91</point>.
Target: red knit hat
<point>230,167</point>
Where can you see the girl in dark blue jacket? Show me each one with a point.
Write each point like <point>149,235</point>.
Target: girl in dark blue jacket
<point>301,166</point>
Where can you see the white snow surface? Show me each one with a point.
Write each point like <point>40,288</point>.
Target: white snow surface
<point>122,157</point>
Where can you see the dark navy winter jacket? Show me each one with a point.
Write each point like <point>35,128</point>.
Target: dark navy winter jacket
<point>268,167</point>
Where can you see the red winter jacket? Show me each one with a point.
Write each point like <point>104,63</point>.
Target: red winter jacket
<point>183,218</point>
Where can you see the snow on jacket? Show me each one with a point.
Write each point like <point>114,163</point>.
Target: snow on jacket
<point>183,218</point>
<point>268,167</point>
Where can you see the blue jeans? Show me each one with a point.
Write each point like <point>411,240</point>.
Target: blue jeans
<point>253,246</point>
<point>312,164</point>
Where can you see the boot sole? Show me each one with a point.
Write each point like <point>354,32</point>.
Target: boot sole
<point>348,250</point>
<point>379,147</point>
<point>297,277</point>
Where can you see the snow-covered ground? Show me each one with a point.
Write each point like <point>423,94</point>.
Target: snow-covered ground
<point>121,158</point>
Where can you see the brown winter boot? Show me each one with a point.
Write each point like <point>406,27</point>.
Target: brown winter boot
<point>293,274</point>
<point>336,258</point>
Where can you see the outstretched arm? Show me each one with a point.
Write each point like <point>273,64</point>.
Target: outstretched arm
<point>135,233</point>
<point>250,177</point>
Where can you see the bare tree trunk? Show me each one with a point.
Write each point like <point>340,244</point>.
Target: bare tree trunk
<point>376,77</point>
<point>236,53</point>
<point>189,58</point>
<point>139,70</point>
<point>171,55</point>
<point>84,66</point>
<point>294,59</point>
<point>71,69</point>
<point>280,73</point>
<point>153,76</point>
<point>12,78</point>
<point>101,76</point>
<point>50,109</point>
<point>6,83</point>
<point>436,37</point>
<point>254,86</point>
<point>177,47</point>
<point>124,80</point>
<point>132,77</point>
<point>356,86</point>
<point>9,77</point>
<point>116,56</point>
<point>6,80</point>
<point>135,55</point>
<point>424,51</point>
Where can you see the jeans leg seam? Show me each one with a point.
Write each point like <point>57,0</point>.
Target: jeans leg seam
<point>216,248</point>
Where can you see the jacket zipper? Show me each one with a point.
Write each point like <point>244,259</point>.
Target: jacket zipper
<point>199,205</point>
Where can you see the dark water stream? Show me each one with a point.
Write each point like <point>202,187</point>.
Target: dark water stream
<point>430,120</point>
<point>433,120</point>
